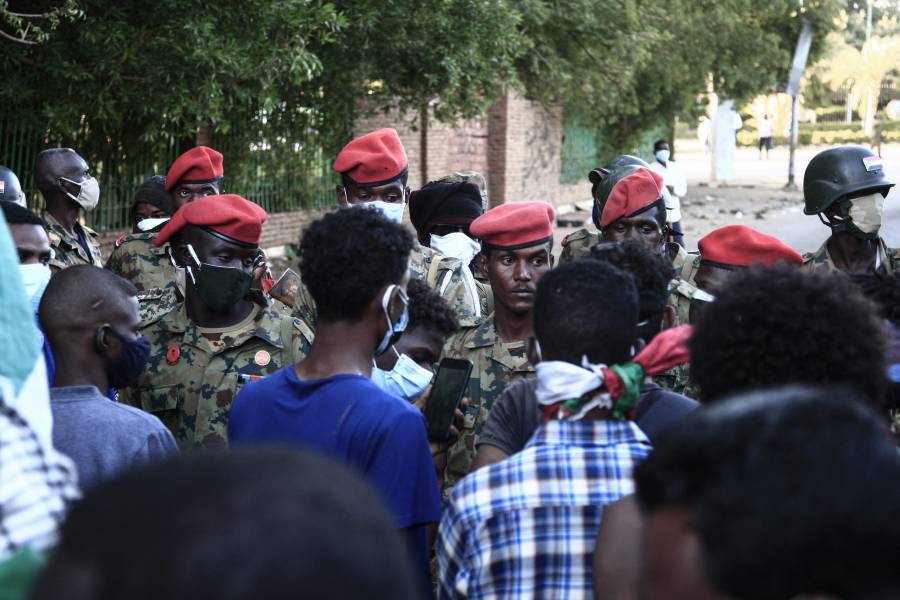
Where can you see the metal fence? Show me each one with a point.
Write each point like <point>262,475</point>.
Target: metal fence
<point>296,174</point>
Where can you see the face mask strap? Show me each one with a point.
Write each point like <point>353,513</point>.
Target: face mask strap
<point>80,186</point>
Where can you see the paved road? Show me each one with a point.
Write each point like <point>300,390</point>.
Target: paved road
<point>803,232</point>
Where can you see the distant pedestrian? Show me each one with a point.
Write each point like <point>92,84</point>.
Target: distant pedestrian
<point>675,183</point>
<point>765,136</point>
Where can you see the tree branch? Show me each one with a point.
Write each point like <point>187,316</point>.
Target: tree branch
<point>18,40</point>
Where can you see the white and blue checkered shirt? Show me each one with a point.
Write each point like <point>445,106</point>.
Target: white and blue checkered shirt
<point>525,527</point>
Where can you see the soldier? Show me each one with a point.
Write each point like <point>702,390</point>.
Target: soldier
<point>441,213</point>
<point>67,186</point>
<point>517,240</point>
<point>728,249</point>
<point>202,353</point>
<point>152,206</point>
<point>603,182</point>
<point>10,188</point>
<point>846,188</point>
<point>374,170</point>
<point>195,174</point>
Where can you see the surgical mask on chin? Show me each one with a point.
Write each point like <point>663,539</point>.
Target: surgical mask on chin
<point>456,245</point>
<point>392,210</point>
<point>35,277</point>
<point>407,380</point>
<point>663,155</point>
<point>394,330</point>
<point>866,213</point>
<point>88,194</point>
<point>145,225</point>
<point>220,288</point>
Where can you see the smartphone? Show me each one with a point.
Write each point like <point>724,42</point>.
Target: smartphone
<point>447,392</point>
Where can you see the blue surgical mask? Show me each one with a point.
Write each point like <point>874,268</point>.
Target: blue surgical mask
<point>394,330</point>
<point>662,155</point>
<point>392,210</point>
<point>35,277</point>
<point>407,380</point>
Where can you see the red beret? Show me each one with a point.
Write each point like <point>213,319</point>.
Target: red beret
<point>632,193</point>
<point>373,159</point>
<point>198,165</point>
<point>515,225</point>
<point>741,246</point>
<point>228,214</point>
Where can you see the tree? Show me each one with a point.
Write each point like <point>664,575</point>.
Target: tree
<point>33,28</point>
<point>863,70</point>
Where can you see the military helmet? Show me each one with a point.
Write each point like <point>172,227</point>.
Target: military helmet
<point>841,171</point>
<point>604,179</point>
<point>10,188</point>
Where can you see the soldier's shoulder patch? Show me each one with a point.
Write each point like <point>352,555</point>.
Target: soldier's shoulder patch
<point>121,240</point>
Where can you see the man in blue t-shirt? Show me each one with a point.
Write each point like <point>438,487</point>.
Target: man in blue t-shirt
<point>355,264</point>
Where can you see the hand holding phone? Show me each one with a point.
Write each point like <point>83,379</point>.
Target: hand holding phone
<point>447,391</point>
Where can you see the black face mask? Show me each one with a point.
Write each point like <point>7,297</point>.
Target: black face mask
<point>220,288</point>
<point>131,362</point>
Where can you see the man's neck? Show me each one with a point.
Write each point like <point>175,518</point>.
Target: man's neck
<point>201,316</point>
<point>852,254</point>
<point>73,371</point>
<point>513,326</point>
<point>340,348</point>
<point>65,212</point>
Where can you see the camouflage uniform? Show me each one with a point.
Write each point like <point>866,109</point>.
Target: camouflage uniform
<point>191,380</point>
<point>578,244</point>
<point>67,251</point>
<point>443,274</point>
<point>820,260</point>
<point>160,284</point>
<point>496,364</point>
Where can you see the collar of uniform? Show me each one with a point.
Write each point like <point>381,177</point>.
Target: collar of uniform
<point>485,336</point>
<point>265,325</point>
<point>587,433</point>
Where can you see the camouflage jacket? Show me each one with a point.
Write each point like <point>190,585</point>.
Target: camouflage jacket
<point>821,260</point>
<point>495,365</point>
<point>444,275</point>
<point>67,251</point>
<point>578,244</point>
<point>191,381</point>
<point>160,284</point>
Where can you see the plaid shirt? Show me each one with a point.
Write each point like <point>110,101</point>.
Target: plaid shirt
<point>36,487</point>
<point>525,527</point>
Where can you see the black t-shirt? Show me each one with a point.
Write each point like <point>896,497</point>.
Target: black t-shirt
<point>516,414</point>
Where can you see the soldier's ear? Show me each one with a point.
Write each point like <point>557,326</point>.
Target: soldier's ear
<point>668,317</point>
<point>481,260</point>
<point>180,256</point>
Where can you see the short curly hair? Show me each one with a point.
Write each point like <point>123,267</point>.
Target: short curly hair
<point>347,256</point>
<point>804,448</point>
<point>778,326</point>
<point>884,290</point>
<point>651,271</point>
<point>428,310</point>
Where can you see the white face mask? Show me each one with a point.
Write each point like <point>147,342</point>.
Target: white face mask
<point>392,210</point>
<point>456,245</point>
<point>151,224</point>
<point>88,195</point>
<point>35,277</point>
<point>407,380</point>
<point>866,212</point>
<point>663,155</point>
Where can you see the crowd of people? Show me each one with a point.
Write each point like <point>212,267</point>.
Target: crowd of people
<point>632,420</point>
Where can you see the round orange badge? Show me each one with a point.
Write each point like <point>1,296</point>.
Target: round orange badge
<point>172,355</point>
<point>262,358</point>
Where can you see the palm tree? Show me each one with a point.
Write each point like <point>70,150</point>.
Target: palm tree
<point>863,70</point>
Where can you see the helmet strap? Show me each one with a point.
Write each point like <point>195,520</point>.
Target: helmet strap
<point>842,223</point>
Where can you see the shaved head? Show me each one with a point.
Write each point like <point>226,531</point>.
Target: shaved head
<point>54,163</point>
<point>81,297</point>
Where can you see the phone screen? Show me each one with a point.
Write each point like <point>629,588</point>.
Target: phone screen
<point>446,393</point>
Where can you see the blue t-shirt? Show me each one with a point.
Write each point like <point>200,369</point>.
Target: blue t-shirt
<point>351,419</point>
